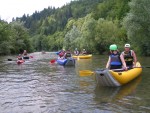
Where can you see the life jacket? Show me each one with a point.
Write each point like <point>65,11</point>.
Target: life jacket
<point>19,58</point>
<point>84,52</point>
<point>76,52</point>
<point>68,55</point>
<point>61,54</point>
<point>115,60</point>
<point>128,57</point>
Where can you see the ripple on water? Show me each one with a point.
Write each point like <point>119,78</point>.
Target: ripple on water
<point>39,87</point>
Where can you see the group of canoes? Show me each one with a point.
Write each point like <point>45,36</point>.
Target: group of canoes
<point>70,61</point>
<point>104,77</point>
<point>66,58</point>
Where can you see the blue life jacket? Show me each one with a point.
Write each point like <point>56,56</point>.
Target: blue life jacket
<point>115,60</point>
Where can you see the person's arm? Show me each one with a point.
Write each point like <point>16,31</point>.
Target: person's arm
<point>123,62</point>
<point>82,52</point>
<point>134,57</point>
<point>64,55</point>
<point>71,54</point>
<point>108,62</point>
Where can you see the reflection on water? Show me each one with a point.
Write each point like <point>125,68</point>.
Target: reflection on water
<point>40,87</point>
<point>120,96</point>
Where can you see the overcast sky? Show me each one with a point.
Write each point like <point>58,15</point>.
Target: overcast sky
<point>16,8</point>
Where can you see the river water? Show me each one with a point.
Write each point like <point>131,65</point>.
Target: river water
<point>40,87</point>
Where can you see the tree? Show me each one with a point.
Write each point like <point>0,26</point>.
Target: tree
<point>107,32</point>
<point>137,24</point>
<point>5,38</point>
<point>20,39</point>
<point>88,34</point>
<point>70,41</point>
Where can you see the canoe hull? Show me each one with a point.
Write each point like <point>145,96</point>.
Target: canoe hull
<point>111,78</point>
<point>20,61</point>
<point>104,78</point>
<point>66,62</point>
<point>83,57</point>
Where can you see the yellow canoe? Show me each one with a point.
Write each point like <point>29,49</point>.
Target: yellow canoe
<point>83,56</point>
<point>111,78</point>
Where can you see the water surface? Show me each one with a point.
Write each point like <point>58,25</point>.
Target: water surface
<point>40,87</point>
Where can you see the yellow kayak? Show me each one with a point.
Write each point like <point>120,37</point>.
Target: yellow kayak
<point>83,56</point>
<point>111,78</point>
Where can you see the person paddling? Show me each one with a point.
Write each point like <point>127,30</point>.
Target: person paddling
<point>19,57</point>
<point>76,52</point>
<point>61,54</point>
<point>129,56</point>
<point>68,54</point>
<point>24,53</point>
<point>84,52</point>
<point>116,60</point>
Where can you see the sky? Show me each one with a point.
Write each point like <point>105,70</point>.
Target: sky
<point>17,8</point>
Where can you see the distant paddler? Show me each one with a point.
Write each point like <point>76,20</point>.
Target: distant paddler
<point>76,52</point>
<point>25,54</point>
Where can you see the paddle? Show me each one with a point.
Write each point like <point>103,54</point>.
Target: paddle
<point>88,72</point>
<point>52,61</point>
<point>9,59</point>
<point>142,67</point>
<point>78,58</point>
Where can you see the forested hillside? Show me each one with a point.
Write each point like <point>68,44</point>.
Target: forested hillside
<point>89,24</point>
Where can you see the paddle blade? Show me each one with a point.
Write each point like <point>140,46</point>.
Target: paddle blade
<point>86,73</point>
<point>9,59</point>
<point>52,61</point>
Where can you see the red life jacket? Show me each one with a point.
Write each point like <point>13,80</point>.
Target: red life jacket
<point>61,54</point>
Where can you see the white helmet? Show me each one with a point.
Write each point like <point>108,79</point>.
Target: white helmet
<point>127,45</point>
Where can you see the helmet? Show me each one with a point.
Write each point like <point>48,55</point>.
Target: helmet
<point>127,45</point>
<point>113,47</point>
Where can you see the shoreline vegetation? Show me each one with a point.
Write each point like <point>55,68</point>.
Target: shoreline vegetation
<point>93,26</point>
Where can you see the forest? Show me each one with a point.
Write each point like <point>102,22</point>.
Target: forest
<point>89,24</point>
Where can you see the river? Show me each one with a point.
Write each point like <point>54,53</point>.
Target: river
<point>40,87</point>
